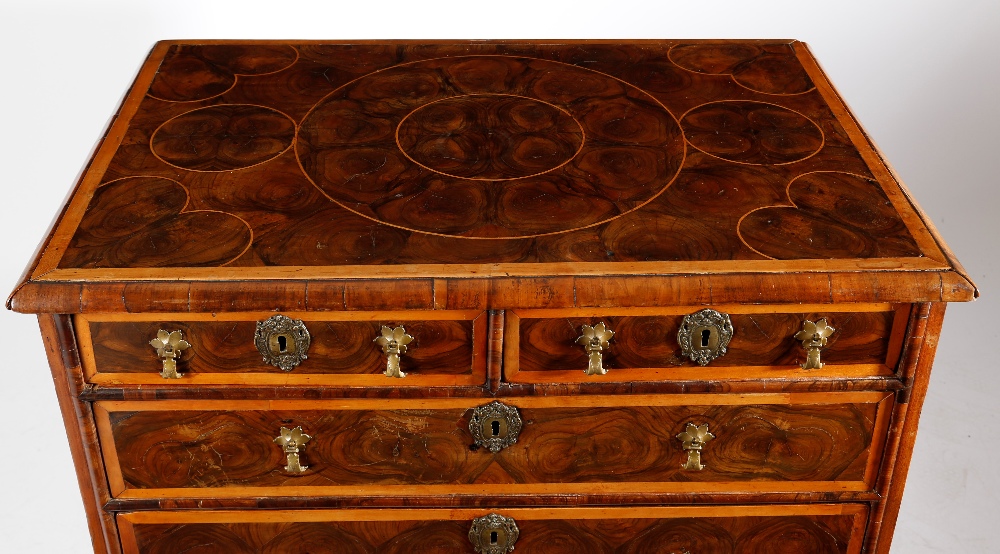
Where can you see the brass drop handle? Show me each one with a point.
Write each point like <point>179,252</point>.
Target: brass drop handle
<point>292,442</point>
<point>393,343</point>
<point>169,346</point>
<point>814,336</point>
<point>595,341</point>
<point>493,534</point>
<point>694,438</point>
<point>495,426</point>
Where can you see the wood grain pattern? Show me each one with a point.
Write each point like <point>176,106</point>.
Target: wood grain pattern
<point>338,347</point>
<point>650,341</point>
<point>536,185</point>
<point>554,532</point>
<point>81,430</point>
<point>406,95</point>
<point>768,68</point>
<point>566,442</point>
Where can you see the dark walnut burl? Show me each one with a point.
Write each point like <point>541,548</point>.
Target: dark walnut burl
<point>257,155</point>
<point>716,535</point>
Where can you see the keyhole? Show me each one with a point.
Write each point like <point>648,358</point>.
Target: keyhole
<point>496,430</point>
<point>705,336</point>
<point>494,537</point>
<point>283,343</point>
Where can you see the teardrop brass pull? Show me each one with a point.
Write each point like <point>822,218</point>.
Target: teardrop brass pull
<point>694,438</point>
<point>292,442</point>
<point>169,347</point>
<point>393,343</point>
<point>814,337</point>
<point>493,534</point>
<point>595,341</point>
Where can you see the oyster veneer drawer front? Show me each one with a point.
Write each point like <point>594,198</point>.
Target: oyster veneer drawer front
<point>726,342</point>
<point>438,348</point>
<point>663,444</point>
<point>788,529</point>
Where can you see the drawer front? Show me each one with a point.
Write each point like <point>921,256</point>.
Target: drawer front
<point>788,529</point>
<point>447,348</point>
<point>545,346</point>
<point>802,442</point>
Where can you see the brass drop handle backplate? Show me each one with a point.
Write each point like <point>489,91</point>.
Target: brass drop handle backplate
<point>814,336</point>
<point>393,343</point>
<point>282,341</point>
<point>169,346</point>
<point>292,442</point>
<point>493,534</point>
<point>495,426</point>
<point>693,439</point>
<point>595,342</point>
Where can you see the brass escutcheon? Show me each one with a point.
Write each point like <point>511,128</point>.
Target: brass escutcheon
<point>493,534</point>
<point>595,341</point>
<point>168,347</point>
<point>814,337</point>
<point>282,341</point>
<point>292,442</point>
<point>704,335</point>
<point>495,426</point>
<point>694,438</point>
<point>393,343</point>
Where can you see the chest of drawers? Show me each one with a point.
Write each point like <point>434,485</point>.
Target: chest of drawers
<point>653,296</point>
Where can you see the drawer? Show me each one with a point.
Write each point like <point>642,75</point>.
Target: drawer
<point>788,529</point>
<point>590,445</point>
<point>543,346</point>
<point>447,348</point>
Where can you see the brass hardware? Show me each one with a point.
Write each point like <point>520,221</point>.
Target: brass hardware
<point>168,347</point>
<point>493,534</point>
<point>282,341</point>
<point>292,442</point>
<point>595,341</point>
<point>704,335</point>
<point>495,426</point>
<point>393,343</point>
<point>694,438</point>
<point>814,337</point>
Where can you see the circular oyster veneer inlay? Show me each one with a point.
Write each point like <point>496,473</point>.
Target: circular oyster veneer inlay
<point>489,137</point>
<point>752,132</point>
<point>490,147</point>
<point>224,137</point>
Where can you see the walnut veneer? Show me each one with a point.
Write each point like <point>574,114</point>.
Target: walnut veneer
<point>496,199</point>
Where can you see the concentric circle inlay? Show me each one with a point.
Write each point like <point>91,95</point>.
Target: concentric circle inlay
<point>489,137</point>
<point>490,147</point>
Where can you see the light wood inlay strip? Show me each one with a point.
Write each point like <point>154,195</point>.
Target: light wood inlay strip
<point>804,398</point>
<point>898,334</point>
<point>684,310</point>
<point>477,377</point>
<point>645,512</point>
<point>665,269</point>
<point>889,182</point>
<point>92,174</point>
<point>879,434</point>
<point>85,346</point>
<point>748,373</point>
<point>735,487</point>
<point>410,315</point>
<point>109,450</point>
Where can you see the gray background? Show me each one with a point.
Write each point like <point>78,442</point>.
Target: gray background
<point>922,76</point>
